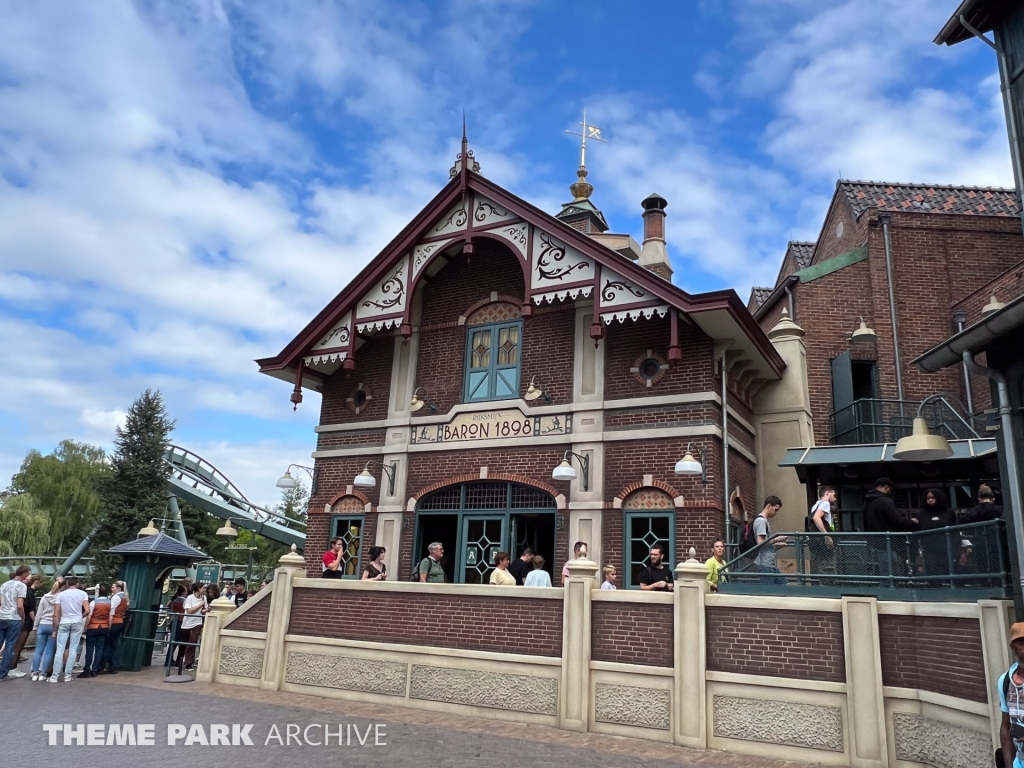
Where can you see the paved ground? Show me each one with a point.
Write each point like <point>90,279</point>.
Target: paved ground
<point>412,738</point>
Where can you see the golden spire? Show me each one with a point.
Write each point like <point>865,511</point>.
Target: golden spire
<point>581,190</point>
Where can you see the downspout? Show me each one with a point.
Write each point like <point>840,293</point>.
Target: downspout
<point>885,218</point>
<point>725,447</point>
<point>1009,453</point>
<point>792,304</point>
<point>959,318</point>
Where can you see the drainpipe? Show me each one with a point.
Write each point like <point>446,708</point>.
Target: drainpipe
<point>960,318</point>
<point>1010,454</point>
<point>886,218</point>
<point>792,304</point>
<point>725,444</point>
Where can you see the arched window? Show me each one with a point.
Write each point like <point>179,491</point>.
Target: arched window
<point>650,519</point>
<point>493,353</point>
<point>347,523</point>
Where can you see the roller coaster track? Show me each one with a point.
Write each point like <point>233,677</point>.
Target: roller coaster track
<point>198,482</point>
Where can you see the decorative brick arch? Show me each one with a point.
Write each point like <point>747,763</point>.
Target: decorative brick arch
<point>353,493</point>
<point>658,484</point>
<point>471,477</point>
<point>502,299</point>
<point>648,497</point>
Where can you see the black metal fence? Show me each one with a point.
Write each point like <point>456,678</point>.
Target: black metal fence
<point>869,421</point>
<point>959,563</point>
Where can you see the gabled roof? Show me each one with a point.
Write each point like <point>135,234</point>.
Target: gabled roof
<point>983,15</point>
<point>799,254</point>
<point>928,198</point>
<point>471,206</point>
<point>758,295</point>
<point>161,544</point>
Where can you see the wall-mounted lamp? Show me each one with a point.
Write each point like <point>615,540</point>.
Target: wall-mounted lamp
<point>994,305</point>
<point>922,445</point>
<point>566,471</point>
<point>416,403</point>
<point>863,332</point>
<point>688,465</point>
<point>287,482</point>
<point>533,391</point>
<point>365,480</point>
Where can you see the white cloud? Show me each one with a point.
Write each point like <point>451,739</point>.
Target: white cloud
<point>102,423</point>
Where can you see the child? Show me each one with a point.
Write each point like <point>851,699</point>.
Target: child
<point>538,577</point>
<point>609,577</point>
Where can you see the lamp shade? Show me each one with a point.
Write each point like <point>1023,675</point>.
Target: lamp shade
<point>533,392</point>
<point>364,480</point>
<point>228,531</point>
<point>287,481</point>
<point>564,471</point>
<point>689,465</point>
<point>415,404</point>
<point>922,445</point>
<point>149,530</point>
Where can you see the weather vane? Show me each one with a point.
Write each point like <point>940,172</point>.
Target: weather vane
<point>581,190</point>
<point>589,132</point>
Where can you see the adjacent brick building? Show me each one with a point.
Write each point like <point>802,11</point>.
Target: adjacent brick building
<point>948,250</point>
<point>486,341</point>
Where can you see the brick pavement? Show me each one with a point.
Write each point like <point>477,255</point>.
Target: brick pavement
<point>413,736</point>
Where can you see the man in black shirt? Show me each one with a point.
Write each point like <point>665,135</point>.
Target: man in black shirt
<point>238,594</point>
<point>521,566</point>
<point>657,575</point>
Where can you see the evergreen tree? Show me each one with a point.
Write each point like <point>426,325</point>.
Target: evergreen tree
<point>136,490</point>
<point>66,486</point>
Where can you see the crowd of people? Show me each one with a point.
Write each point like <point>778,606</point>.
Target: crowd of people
<point>61,618</point>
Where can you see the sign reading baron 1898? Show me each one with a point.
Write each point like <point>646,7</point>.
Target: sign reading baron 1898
<point>492,425</point>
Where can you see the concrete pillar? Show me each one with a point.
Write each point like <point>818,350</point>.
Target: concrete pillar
<point>690,694</point>
<point>389,536</point>
<point>209,650</point>
<point>574,703</point>
<point>994,618</point>
<point>865,703</point>
<point>290,567</point>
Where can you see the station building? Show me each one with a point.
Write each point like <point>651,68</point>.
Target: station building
<point>491,342</point>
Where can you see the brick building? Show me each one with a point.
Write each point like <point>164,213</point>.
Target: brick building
<point>486,341</point>
<point>937,254</point>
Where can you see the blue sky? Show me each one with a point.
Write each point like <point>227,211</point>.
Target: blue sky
<point>184,184</point>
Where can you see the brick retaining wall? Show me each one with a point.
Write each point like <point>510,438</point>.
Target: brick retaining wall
<point>632,633</point>
<point>932,653</point>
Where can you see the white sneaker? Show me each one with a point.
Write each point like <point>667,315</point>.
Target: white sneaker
<point>53,679</point>
<point>35,677</point>
<point>68,678</point>
<point>16,674</point>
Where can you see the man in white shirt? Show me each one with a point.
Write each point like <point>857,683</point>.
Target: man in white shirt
<point>12,618</point>
<point>70,613</point>
<point>192,622</point>
<point>819,520</point>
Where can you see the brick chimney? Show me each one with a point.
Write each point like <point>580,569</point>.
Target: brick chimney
<point>653,255</point>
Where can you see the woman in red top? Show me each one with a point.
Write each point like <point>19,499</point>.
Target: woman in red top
<point>332,560</point>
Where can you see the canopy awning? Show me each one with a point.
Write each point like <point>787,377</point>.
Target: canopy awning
<point>878,452</point>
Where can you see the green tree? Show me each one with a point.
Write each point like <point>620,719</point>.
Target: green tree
<point>23,526</point>
<point>136,489</point>
<point>65,484</point>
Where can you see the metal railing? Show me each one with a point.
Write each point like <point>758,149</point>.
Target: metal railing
<point>46,564</point>
<point>870,421</point>
<point>959,563</point>
<point>165,639</point>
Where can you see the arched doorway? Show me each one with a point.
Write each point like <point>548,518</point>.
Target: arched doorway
<point>474,521</point>
<point>650,519</point>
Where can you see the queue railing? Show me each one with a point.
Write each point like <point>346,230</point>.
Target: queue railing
<point>959,563</point>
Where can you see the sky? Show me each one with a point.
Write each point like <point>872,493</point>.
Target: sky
<point>185,184</point>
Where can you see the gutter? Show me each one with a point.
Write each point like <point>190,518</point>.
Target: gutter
<point>783,288</point>
<point>974,338</point>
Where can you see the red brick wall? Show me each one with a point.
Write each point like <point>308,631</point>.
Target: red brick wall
<point>681,415</point>
<point>798,644</point>
<point>697,527</point>
<point>255,619</point>
<point>632,633</point>
<point>373,368</point>
<point>627,462</point>
<point>334,475</point>
<point>937,654</point>
<point>347,439</point>
<point>465,622</point>
<point>627,341</point>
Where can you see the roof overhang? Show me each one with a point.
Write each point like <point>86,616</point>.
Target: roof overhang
<point>878,453</point>
<point>983,15</point>
<point>975,338</point>
<point>720,314</point>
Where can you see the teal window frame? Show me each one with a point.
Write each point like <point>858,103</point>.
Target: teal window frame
<point>335,520</point>
<point>495,374</point>
<point>627,529</point>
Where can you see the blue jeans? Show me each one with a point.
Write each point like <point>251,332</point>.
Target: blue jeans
<point>772,574</point>
<point>9,631</point>
<point>68,636</point>
<point>94,641</point>
<point>46,644</point>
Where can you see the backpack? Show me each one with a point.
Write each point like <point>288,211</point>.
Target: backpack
<point>748,540</point>
<point>809,526</point>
